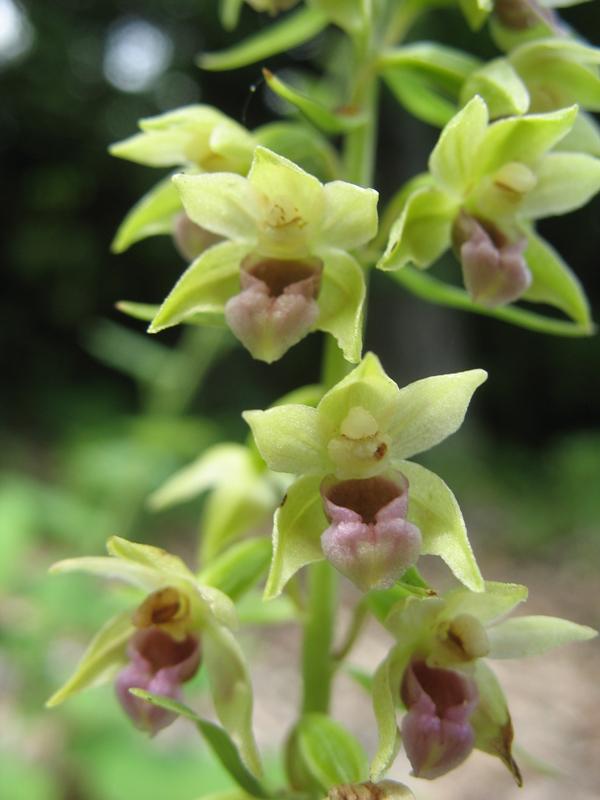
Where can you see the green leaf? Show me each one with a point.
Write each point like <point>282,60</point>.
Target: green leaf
<point>290,32</point>
<point>205,287</point>
<point>435,291</point>
<point>491,720</point>
<point>151,216</point>
<point>298,525</point>
<point>329,754</point>
<point>341,302</point>
<point>415,92</point>
<point>288,438</point>
<point>216,738</point>
<point>565,182</point>
<point>422,232</point>
<point>239,568</point>
<point>231,689</point>
<point>554,283</point>
<point>500,86</point>
<point>315,112</point>
<point>433,509</point>
<point>532,636</point>
<point>430,410</point>
<point>105,652</point>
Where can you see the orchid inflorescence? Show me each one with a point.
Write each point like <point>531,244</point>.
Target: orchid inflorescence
<point>279,233</point>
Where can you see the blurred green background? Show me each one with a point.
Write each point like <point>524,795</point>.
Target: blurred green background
<point>96,414</point>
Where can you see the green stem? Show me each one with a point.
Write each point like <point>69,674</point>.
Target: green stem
<point>360,144</point>
<point>317,661</point>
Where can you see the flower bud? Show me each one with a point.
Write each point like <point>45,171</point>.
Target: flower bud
<point>158,664</point>
<point>190,239</point>
<point>369,539</point>
<point>277,305</point>
<point>521,15</point>
<point>494,269</point>
<point>436,731</point>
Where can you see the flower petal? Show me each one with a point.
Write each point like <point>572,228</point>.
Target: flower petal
<point>565,182</point>
<point>430,410</point>
<point>222,202</point>
<point>161,148</point>
<point>433,509</point>
<point>276,177</point>
<point>422,231</point>
<point>204,287</point>
<point>454,156</point>
<point>491,720</point>
<point>554,282</point>
<point>341,302</point>
<point>350,215</point>
<point>298,525</point>
<point>495,602</point>
<point>151,216</point>
<point>522,139</point>
<point>386,696</point>
<point>531,636</point>
<point>367,387</point>
<point>231,690</point>
<point>287,438</point>
<point>105,652</point>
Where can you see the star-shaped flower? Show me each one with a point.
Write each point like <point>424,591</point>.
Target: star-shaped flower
<point>351,452</point>
<point>159,644</point>
<point>285,267</point>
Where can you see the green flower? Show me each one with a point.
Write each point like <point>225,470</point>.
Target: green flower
<point>444,641</point>
<point>486,184</point>
<point>539,76</point>
<point>195,138</point>
<point>362,430</point>
<point>288,238</point>
<point>176,608</point>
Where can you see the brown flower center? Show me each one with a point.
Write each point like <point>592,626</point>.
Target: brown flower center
<point>365,497</point>
<point>279,273</point>
<point>160,607</point>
